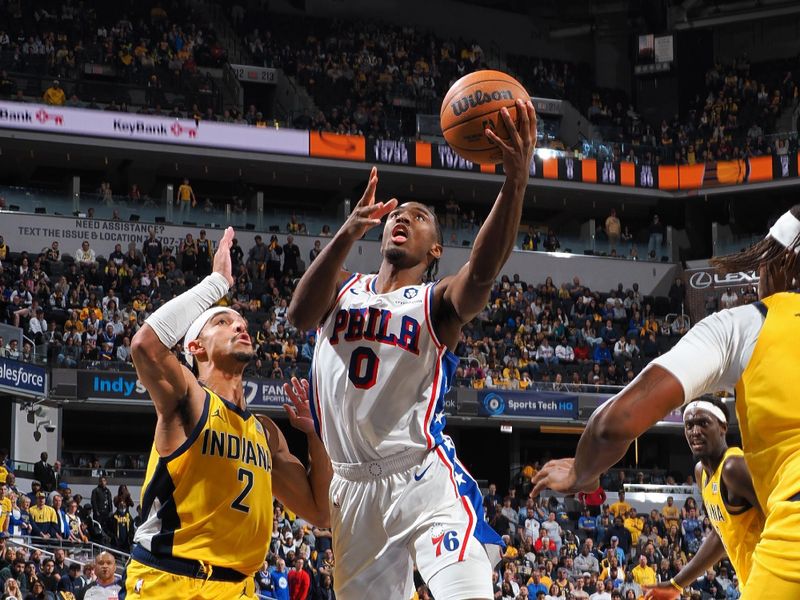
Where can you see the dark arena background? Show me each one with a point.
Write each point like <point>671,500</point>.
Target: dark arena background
<point>133,132</point>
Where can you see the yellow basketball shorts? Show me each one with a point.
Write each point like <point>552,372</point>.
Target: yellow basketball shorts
<point>141,582</point>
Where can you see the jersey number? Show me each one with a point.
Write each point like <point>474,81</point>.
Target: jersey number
<point>246,476</point>
<point>363,371</point>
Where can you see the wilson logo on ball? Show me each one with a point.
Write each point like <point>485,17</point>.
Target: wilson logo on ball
<point>462,105</point>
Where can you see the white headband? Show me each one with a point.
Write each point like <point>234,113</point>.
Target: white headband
<point>786,230</point>
<point>706,406</point>
<point>196,327</point>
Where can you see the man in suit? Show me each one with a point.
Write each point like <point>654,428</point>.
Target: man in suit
<point>45,474</point>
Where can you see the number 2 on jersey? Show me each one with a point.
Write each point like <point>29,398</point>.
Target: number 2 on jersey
<point>247,476</point>
<point>363,371</point>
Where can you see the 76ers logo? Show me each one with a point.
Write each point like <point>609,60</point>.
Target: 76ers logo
<point>448,539</point>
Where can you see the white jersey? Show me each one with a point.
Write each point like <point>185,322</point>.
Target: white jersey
<point>379,374</point>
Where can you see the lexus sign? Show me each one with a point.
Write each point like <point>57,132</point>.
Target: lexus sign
<point>707,278</point>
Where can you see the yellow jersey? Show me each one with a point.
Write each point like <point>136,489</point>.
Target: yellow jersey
<point>5,513</point>
<point>619,509</point>
<point>767,406</point>
<point>740,530</point>
<point>211,499</point>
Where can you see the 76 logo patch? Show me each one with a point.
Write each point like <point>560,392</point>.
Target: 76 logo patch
<point>447,539</point>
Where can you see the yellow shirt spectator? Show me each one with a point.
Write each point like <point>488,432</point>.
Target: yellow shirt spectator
<point>510,373</point>
<point>5,513</point>
<point>635,525</point>
<point>671,514</point>
<point>3,473</point>
<point>54,95</point>
<point>185,192</point>
<point>478,384</point>
<point>643,574</point>
<point>43,514</point>
<point>620,508</point>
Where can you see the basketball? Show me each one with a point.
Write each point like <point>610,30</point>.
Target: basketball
<point>471,105</point>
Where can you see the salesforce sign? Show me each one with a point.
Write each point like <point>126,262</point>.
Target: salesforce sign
<point>24,379</point>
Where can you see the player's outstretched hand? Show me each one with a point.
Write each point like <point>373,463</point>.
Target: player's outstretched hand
<point>662,591</point>
<point>559,476</point>
<point>517,151</point>
<point>367,213</point>
<point>299,410</point>
<point>222,257</point>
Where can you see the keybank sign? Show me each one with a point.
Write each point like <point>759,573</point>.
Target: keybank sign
<point>22,378</point>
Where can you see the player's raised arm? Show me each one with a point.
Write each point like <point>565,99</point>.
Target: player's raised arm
<point>461,297</point>
<point>695,366</point>
<point>316,292</point>
<point>167,381</point>
<point>304,492</point>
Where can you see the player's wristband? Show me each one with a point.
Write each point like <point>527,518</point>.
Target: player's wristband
<point>675,584</point>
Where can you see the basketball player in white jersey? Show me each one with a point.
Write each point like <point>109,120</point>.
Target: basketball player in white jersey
<point>382,365</point>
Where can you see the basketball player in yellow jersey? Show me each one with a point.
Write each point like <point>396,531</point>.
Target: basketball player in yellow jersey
<point>214,467</point>
<point>728,496</point>
<point>753,349</point>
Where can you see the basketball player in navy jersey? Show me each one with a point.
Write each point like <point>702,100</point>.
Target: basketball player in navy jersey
<point>382,365</point>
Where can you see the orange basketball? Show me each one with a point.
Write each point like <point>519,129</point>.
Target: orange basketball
<point>471,105</point>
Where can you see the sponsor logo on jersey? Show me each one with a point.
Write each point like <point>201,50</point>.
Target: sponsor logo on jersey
<point>418,475</point>
<point>376,325</point>
<point>411,293</point>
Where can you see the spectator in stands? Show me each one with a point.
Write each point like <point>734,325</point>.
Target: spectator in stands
<point>315,251</point>
<point>123,529</point>
<point>613,229</point>
<point>186,199</point>
<point>70,582</point>
<point>291,257</point>
<point>102,504</point>
<point>61,527</point>
<point>85,256</point>
<point>729,299</point>
<point>657,233</point>
<point>43,472</point>
<point>48,577</point>
<point>280,580</point>
<point>299,581</point>
<point>44,517</point>
<point>54,95</point>
<point>551,243</point>
<point>152,248</point>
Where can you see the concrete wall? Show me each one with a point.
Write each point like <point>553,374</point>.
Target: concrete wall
<point>25,447</point>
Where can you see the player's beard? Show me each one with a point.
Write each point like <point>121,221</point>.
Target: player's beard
<point>398,257</point>
<point>244,357</point>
